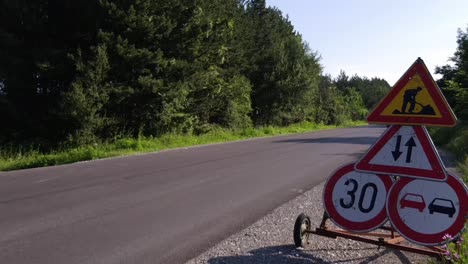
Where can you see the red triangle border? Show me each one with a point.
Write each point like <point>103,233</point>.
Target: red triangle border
<point>447,118</point>
<point>438,172</point>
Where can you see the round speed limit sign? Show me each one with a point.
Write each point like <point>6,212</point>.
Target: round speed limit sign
<point>355,201</point>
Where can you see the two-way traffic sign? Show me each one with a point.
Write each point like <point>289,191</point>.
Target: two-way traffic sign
<point>404,151</point>
<point>424,202</point>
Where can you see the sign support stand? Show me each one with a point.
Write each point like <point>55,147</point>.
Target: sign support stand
<point>388,237</point>
<point>417,177</point>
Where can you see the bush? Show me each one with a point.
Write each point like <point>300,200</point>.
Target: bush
<point>126,143</point>
<point>442,135</point>
<point>459,144</point>
<point>464,168</point>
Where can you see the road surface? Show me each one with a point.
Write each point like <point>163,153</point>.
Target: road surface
<point>164,207</point>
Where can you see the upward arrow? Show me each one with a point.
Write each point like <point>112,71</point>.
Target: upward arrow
<point>410,144</point>
<point>396,153</point>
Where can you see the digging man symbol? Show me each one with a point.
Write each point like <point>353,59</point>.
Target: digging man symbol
<point>410,98</point>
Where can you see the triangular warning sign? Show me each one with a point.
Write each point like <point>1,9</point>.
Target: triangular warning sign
<point>404,151</point>
<point>414,100</point>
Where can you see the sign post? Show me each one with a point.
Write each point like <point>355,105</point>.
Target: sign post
<point>401,177</point>
<point>425,203</point>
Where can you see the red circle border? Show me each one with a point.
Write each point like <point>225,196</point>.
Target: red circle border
<point>342,222</point>
<point>427,239</point>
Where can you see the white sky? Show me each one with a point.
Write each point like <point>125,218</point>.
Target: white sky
<point>377,38</point>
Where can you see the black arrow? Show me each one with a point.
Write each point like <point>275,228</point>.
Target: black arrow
<point>396,154</point>
<point>410,144</point>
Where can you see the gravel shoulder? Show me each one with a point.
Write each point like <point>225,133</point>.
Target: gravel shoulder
<point>270,239</point>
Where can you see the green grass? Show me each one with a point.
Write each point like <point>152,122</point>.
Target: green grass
<point>464,169</point>
<point>14,159</point>
<point>455,140</point>
<point>456,252</point>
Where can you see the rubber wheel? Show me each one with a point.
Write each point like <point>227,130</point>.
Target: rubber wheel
<point>302,225</point>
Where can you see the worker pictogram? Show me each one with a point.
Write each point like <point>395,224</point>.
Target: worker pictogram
<point>414,100</point>
<point>424,205</point>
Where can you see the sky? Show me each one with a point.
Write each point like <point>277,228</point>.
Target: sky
<point>378,38</point>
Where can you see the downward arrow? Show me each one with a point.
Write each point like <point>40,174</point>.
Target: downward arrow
<point>410,144</point>
<point>396,153</point>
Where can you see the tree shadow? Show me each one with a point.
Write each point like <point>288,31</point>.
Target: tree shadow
<point>291,255</point>
<point>327,140</point>
<point>354,155</point>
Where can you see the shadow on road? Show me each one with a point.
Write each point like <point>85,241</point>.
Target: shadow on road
<point>357,155</point>
<point>366,259</point>
<point>289,254</point>
<point>344,140</point>
<point>276,254</point>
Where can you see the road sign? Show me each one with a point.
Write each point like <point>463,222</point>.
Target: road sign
<point>405,151</point>
<point>355,201</point>
<point>414,100</point>
<point>425,211</point>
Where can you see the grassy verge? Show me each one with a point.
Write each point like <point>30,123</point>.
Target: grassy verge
<point>14,159</point>
<point>456,141</point>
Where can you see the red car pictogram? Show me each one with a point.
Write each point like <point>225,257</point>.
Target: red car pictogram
<point>411,200</point>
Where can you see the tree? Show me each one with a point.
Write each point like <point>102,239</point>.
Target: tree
<point>283,71</point>
<point>91,71</point>
<point>372,90</point>
<point>342,81</point>
<point>454,81</point>
<point>83,106</point>
<point>35,40</point>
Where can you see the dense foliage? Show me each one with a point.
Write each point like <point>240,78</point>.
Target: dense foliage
<point>454,81</point>
<point>88,71</point>
<point>454,84</point>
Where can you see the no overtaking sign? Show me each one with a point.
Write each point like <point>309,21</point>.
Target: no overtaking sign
<point>425,202</point>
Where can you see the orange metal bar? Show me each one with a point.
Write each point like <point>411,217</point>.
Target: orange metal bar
<point>390,243</point>
<point>371,234</point>
<point>393,242</point>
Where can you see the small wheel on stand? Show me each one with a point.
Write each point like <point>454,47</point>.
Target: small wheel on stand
<point>302,229</point>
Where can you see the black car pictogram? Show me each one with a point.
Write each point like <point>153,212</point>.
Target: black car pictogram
<point>443,206</point>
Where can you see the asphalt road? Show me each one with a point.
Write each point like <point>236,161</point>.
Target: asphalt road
<point>164,207</point>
